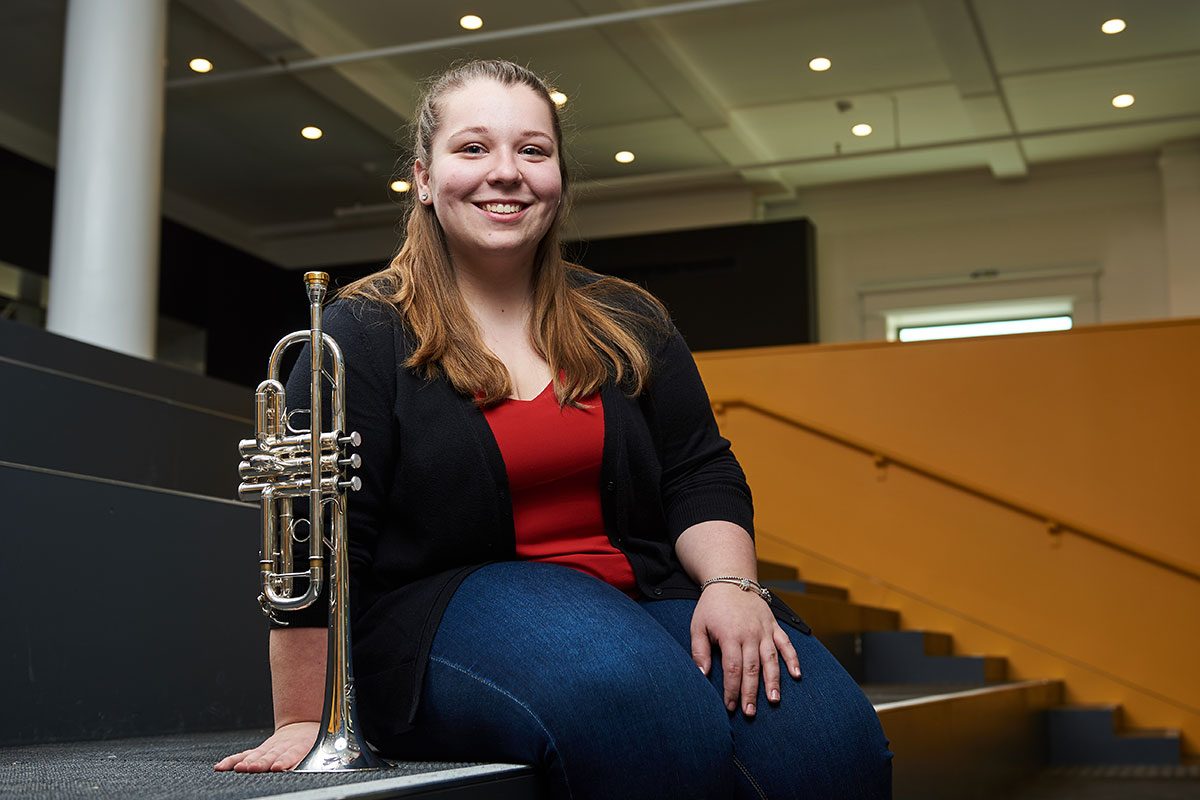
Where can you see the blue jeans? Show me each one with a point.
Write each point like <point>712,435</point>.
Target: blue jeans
<point>541,664</point>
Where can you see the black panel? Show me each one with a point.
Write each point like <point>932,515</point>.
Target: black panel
<point>244,303</point>
<point>26,212</point>
<point>131,612</point>
<point>736,286</point>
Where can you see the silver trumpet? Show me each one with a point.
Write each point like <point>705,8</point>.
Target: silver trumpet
<point>281,464</point>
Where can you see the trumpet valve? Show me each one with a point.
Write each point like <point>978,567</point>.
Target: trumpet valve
<point>269,401</point>
<point>259,465</point>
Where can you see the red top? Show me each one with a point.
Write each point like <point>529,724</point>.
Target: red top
<point>552,457</point>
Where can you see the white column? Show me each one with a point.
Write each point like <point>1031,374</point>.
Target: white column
<point>1180,168</point>
<point>104,252</point>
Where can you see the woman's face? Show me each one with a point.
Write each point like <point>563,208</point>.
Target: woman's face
<point>493,177</point>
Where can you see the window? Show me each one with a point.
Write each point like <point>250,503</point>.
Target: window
<point>1067,295</point>
<point>979,319</point>
<point>998,327</point>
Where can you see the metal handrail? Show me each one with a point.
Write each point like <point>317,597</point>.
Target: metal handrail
<point>1055,524</point>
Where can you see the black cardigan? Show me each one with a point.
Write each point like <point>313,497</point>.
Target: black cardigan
<point>434,503</point>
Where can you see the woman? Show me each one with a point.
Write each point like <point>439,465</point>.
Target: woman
<point>549,547</point>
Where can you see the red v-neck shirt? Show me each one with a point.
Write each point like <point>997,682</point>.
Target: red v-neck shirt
<point>552,457</point>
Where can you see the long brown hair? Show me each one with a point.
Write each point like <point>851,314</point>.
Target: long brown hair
<point>590,328</point>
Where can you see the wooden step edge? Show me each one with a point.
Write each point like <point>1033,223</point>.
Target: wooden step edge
<point>1050,688</point>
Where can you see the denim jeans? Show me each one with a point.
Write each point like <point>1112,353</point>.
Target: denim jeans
<point>541,664</point>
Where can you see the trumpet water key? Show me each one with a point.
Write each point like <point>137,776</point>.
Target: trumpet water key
<point>283,464</point>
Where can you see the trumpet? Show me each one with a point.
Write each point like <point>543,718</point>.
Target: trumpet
<point>280,465</point>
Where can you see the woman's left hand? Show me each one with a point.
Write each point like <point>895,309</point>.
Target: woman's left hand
<point>742,626</point>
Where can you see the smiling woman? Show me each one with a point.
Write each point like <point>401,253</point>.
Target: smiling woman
<point>494,183</point>
<point>563,578</point>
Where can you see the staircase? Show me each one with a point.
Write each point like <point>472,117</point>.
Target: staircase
<point>958,726</point>
<point>107,474</point>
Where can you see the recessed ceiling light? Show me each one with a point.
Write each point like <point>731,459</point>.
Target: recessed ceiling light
<point>1113,25</point>
<point>200,65</point>
<point>624,157</point>
<point>820,64</point>
<point>1122,101</point>
<point>558,97</point>
<point>311,132</point>
<point>471,22</point>
<point>399,187</point>
<point>861,129</point>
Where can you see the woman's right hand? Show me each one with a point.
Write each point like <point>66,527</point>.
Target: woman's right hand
<point>281,750</point>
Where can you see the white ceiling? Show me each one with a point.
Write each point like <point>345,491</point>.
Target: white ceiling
<point>720,96</point>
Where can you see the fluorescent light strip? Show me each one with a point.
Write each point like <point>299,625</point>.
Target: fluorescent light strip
<point>1000,327</point>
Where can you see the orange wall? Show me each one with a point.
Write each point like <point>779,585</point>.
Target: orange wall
<point>1100,425</point>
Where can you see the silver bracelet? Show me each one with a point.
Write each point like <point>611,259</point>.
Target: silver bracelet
<point>745,584</point>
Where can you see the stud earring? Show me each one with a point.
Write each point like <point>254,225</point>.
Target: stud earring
<point>424,197</point>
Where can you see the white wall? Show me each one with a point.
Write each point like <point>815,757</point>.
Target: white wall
<point>697,207</point>
<point>1105,213</point>
<point>1180,166</point>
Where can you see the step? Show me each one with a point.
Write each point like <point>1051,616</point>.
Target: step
<point>924,657</point>
<point>36,348</point>
<point>89,411</point>
<point>179,767</point>
<point>137,611</point>
<point>809,588</point>
<point>977,743</point>
<point>1080,735</point>
<point>1132,781</point>
<point>838,624</point>
<point>830,616</point>
<point>880,693</point>
<point>773,571</point>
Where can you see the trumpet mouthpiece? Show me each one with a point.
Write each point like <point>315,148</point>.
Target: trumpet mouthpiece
<point>319,278</point>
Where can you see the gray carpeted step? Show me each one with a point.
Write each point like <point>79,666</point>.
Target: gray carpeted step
<point>923,657</point>
<point>1093,735</point>
<point>1130,782</point>
<point>180,768</point>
